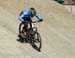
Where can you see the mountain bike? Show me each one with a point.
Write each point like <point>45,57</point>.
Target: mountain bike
<point>28,30</point>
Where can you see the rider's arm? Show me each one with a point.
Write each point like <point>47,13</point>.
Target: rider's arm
<point>24,14</point>
<point>21,17</point>
<point>38,17</point>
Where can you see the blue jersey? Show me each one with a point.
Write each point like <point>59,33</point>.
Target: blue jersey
<point>26,13</point>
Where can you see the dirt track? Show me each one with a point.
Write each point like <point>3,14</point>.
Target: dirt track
<point>57,30</point>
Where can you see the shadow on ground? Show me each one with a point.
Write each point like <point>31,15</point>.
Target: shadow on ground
<point>25,40</point>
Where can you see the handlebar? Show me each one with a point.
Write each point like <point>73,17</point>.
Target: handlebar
<point>34,21</point>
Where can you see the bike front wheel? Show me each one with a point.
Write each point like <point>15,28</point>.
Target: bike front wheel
<point>36,41</point>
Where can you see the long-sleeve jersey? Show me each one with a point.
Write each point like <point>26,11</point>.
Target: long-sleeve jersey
<point>26,13</point>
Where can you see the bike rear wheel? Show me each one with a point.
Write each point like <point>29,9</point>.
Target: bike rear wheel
<point>21,27</point>
<point>22,30</point>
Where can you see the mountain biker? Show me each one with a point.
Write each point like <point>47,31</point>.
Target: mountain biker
<point>28,14</point>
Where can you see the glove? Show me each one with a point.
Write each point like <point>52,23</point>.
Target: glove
<point>40,20</point>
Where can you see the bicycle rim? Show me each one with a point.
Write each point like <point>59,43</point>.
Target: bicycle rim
<point>37,40</point>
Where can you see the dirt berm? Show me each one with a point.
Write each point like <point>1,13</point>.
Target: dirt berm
<point>57,30</point>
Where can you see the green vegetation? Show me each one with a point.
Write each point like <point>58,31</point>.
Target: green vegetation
<point>60,1</point>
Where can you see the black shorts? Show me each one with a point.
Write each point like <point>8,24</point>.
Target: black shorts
<point>27,19</point>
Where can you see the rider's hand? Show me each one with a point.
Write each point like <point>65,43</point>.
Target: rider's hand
<point>40,20</point>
